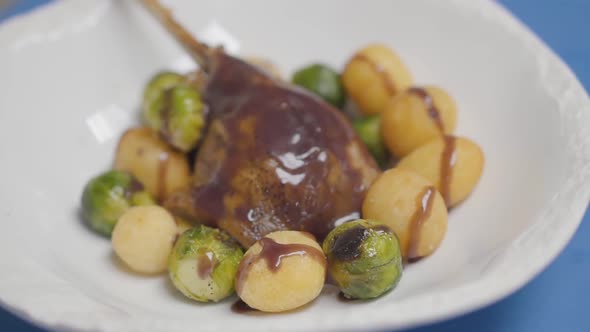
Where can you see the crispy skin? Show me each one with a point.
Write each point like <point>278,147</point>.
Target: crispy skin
<point>274,158</point>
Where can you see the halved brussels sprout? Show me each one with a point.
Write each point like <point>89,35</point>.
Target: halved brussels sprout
<point>204,263</point>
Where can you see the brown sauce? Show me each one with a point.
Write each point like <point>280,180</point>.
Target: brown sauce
<point>272,253</point>
<point>290,168</point>
<point>447,162</point>
<point>166,114</point>
<point>205,265</point>
<point>385,78</point>
<point>161,189</point>
<point>424,203</point>
<point>433,112</point>
<point>240,307</point>
<point>134,187</point>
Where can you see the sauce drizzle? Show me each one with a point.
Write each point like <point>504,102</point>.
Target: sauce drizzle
<point>433,112</point>
<point>424,204</point>
<point>378,69</point>
<point>205,265</point>
<point>161,189</point>
<point>241,307</point>
<point>447,162</point>
<point>272,253</point>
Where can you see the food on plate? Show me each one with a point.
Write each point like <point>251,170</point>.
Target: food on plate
<point>162,169</point>
<point>106,197</point>
<point>453,164</point>
<point>143,238</point>
<point>373,75</point>
<point>412,207</point>
<point>276,169</point>
<point>368,129</point>
<point>282,271</point>
<point>265,65</point>
<point>204,263</point>
<point>176,112</point>
<point>152,95</point>
<point>182,225</point>
<point>415,117</point>
<point>322,81</point>
<point>364,258</point>
<point>273,158</point>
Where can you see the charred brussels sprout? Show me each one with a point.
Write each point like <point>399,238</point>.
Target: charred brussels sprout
<point>107,196</point>
<point>204,263</point>
<point>369,132</point>
<point>323,81</point>
<point>364,258</point>
<point>175,109</point>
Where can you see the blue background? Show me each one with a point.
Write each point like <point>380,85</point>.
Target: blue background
<point>559,298</point>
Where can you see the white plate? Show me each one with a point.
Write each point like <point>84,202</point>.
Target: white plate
<point>71,76</point>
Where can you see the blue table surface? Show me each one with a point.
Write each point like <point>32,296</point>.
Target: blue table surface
<point>559,298</point>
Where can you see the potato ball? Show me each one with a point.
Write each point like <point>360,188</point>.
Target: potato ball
<point>161,169</point>
<point>412,207</point>
<point>372,76</point>
<point>143,238</point>
<point>453,164</point>
<point>415,117</point>
<point>282,271</point>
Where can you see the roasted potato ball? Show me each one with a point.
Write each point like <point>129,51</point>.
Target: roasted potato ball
<point>415,117</point>
<point>282,271</point>
<point>372,76</point>
<point>161,169</point>
<point>412,207</point>
<point>453,164</point>
<point>143,238</point>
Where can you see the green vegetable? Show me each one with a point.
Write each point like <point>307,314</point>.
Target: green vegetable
<point>323,81</point>
<point>152,96</point>
<point>369,132</point>
<point>107,196</point>
<point>204,263</point>
<point>364,258</point>
<point>175,109</point>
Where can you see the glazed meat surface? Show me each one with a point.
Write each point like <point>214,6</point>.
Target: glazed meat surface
<point>274,157</point>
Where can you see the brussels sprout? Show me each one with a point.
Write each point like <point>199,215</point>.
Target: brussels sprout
<point>369,132</point>
<point>204,263</point>
<point>323,81</point>
<point>364,258</point>
<point>107,196</point>
<point>152,96</point>
<point>175,109</point>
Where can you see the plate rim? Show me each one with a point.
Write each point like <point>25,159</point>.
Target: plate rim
<point>567,206</point>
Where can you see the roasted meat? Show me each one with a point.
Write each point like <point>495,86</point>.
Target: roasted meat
<point>274,157</point>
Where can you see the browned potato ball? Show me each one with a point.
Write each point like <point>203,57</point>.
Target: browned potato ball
<point>282,271</point>
<point>453,164</point>
<point>415,117</point>
<point>372,76</point>
<point>412,207</point>
<point>161,169</point>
